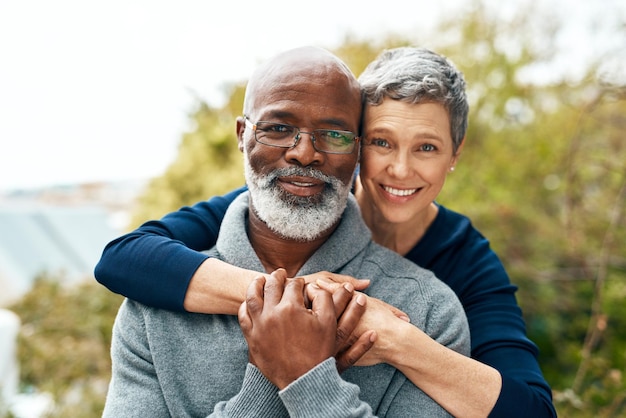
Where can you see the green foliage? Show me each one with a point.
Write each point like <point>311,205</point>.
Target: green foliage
<point>208,163</point>
<point>542,175</point>
<point>357,53</point>
<point>64,343</point>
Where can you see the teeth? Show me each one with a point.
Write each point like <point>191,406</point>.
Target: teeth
<point>398,192</point>
<point>297,183</point>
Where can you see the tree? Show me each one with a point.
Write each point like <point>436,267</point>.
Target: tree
<point>64,343</point>
<point>543,175</point>
<point>208,162</point>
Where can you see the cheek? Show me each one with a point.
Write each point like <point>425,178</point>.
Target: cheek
<point>370,166</point>
<point>346,166</point>
<point>260,160</point>
<point>434,174</point>
<point>265,153</point>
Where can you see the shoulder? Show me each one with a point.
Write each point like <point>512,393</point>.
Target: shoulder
<point>458,253</point>
<point>430,303</point>
<point>392,264</point>
<point>390,271</point>
<point>456,224</point>
<point>133,314</point>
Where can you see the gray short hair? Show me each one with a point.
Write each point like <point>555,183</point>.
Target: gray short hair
<point>417,75</point>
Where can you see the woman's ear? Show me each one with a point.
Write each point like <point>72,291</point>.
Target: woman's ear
<point>455,157</point>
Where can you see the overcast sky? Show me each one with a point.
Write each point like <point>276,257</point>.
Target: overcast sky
<point>101,90</point>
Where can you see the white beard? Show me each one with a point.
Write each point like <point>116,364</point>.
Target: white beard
<point>293,217</point>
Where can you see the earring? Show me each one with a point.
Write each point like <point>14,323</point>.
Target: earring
<point>452,169</point>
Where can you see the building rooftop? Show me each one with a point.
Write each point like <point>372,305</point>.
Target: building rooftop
<point>60,237</point>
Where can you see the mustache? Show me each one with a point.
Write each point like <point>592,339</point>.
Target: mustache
<point>273,176</point>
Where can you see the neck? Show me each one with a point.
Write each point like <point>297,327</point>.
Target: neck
<point>276,251</point>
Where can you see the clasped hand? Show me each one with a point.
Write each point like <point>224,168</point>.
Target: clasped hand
<point>291,326</point>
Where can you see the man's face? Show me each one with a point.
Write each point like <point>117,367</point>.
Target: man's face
<point>300,192</point>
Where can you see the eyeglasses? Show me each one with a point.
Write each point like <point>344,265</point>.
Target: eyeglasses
<point>281,135</point>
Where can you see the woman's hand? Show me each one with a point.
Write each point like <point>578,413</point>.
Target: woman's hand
<point>350,306</point>
<point>338,279</point>
<point>388,323</point>
<point>390,329</point>
<point>331,282</point>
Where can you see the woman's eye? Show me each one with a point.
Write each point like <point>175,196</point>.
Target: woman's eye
<point>428,148</point>
<point>379,143</point>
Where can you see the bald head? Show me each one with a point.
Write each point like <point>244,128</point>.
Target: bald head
<point>306,65</point>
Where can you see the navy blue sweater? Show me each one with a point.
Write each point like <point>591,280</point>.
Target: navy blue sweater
<point>154,264</point>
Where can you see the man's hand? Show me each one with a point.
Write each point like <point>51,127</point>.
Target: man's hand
<point>285,338</point>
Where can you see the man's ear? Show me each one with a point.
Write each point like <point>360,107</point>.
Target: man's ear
<point>240,129</point>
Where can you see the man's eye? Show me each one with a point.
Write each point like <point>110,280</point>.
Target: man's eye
<point>278,128</point>
<point>333,134</point>
<point>336,137</point>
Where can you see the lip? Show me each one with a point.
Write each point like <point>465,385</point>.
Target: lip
<point>398,194</point>
<point>302,186</point>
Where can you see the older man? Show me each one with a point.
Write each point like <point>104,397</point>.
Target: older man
<point>299,139</point>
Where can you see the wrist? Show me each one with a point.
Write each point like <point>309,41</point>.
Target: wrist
<point>217,288</point>
<point>398,341</point>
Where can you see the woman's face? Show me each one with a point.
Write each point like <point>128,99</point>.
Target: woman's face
<point>406,155</point>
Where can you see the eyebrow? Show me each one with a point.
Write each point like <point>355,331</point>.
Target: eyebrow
<point>420,134</point>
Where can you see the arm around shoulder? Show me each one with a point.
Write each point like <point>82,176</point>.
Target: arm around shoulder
<point>154,263</point>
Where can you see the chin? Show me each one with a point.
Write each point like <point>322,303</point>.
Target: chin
<point>395,216</point>
<point>404,212</point>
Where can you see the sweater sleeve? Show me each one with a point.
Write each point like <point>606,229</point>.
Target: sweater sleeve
<point>154,263</point>
<point>322,393</point>
<point>135,387</point>
<point>258,397</point>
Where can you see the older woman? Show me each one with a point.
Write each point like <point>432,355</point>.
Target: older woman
<point>413,131</point>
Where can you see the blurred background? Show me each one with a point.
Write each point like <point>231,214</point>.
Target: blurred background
<point>113,113</point>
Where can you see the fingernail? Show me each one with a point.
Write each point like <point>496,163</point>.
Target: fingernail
<point>360,299</point>
<point>348,287</point>
<point>405,318</point>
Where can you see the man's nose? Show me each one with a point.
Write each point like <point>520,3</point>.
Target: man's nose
<point>303,152</point>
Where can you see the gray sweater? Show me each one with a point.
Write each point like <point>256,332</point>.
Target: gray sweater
<point>192,365</point>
